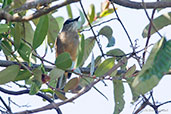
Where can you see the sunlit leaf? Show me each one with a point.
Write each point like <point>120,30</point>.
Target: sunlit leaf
<point>63,61</point>
<point>118,96</point>
<point>9,74</point>
<point>119,54</point>
<point>157,64</point>
<point>4,28</point>
<point>72,84</point>
<point>106,12</point>
<point>107,32</point>
<point>41,31</point>
<point>69,11</point>
<point>52,31</point>
<point>105,66</point>
<point>159,23</point>
<point>80,52</point>
<point>91,13</point>
<point>105,5</point>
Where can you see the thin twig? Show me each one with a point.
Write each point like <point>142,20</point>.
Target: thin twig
<point>98,24</point>
<point>27,92</point>
<point>95,36</point>
<point>149,32</point>
<point>7,107</point>
<point>129,38</point>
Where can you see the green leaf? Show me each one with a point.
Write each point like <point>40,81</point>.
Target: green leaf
<point>119,54</point>
<point>106,12</point>
<point>36,81</point>
<point>35,87</point>
<point>63,61</point>
<point>157,64</point>
<point>111,42</point>
<point>89,45</point>
<point>107,32</point>
<point>91,13</point>
<point>92,68</point>
<point>60,21</point>
<point>4,28</point>
<point>9,74</point>
<point>159,23</point>
<point>55,73</point>
<point>41,31</point>
<point>29,32</point>
<point>81,23</point>
<point>105,67</point>
<point>24,51</point>
<point>130,71</point>
<point>23,75</point>
<point>118,96</point>
<point>69,11</point>
<point>18,34</point>
<point>6,47</point>
<point>52,31</point>
<point>72,84</point>
<point>60,95</point>
<point>6,3</point>
<point>80,52</point>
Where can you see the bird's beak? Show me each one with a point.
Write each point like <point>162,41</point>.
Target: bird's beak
<point>76,19</point>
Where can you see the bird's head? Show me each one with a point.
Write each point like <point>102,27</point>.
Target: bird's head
<point>70,24</point>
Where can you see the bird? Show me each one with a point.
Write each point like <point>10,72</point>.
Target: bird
<point>67,41</point>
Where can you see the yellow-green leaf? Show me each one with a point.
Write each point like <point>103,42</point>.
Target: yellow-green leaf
<point>69,11</point>
<point>105,67</point>
<point>91,13</point>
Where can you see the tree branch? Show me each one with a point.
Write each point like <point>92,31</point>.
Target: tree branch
<point>138,5</point>
<point>32,4</point>
<point>15,18</point>
<point>83,91</point>
<point>27,92</point>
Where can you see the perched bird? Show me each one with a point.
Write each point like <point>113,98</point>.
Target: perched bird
<point>67,41</point>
